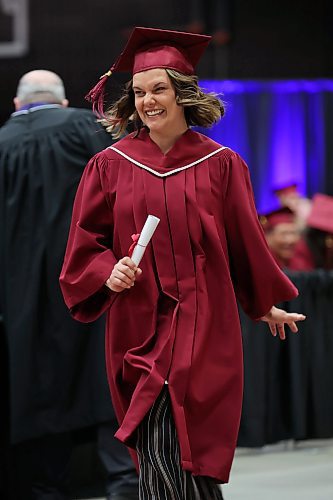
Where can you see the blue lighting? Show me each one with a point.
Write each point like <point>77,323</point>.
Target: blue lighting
<point>278,127</point>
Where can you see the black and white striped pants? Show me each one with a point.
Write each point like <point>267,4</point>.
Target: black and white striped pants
<point>161,476</point>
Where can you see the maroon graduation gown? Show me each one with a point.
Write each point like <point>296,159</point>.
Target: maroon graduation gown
<point>180,321</point>
<point>302,259</point>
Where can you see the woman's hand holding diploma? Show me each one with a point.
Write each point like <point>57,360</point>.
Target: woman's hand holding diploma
<point>123,275</point>
<point>126,270</point>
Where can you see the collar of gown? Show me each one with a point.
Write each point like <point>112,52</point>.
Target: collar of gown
<point>36,106</point>
<point>189,149</point>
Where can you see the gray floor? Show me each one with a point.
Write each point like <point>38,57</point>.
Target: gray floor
<point>286,471</point>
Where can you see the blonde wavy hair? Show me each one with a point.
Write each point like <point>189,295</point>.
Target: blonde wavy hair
<point>200,108</point>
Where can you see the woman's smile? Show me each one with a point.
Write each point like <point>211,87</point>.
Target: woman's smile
<point>154,114</point>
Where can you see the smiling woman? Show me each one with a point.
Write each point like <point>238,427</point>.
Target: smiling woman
<point>157,108</point>
<point>173,343</point>
<point>198,108</point>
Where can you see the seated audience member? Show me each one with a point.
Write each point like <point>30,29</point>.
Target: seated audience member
<point>315,249</point>
<point>289,197</point>
<point>281,234</point>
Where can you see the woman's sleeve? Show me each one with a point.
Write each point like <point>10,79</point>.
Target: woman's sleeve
<point>89,259</point>
<point>258,281</point>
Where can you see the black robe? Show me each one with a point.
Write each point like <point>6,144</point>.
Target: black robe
<point>56,365</point>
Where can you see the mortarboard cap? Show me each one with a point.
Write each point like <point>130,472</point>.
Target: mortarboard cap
<point>285,188</point>
<point>149,48</point>
<point>321,215</point>
<point>275,217</point>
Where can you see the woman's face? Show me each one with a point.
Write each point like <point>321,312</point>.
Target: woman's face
<point>155,102</point>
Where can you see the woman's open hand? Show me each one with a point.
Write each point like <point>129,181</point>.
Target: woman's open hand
<point>278,318</point>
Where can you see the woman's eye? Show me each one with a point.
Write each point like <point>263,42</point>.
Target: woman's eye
<point>160,89</point>
<point>138,93</point>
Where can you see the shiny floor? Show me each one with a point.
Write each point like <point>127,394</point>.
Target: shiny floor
<point>285,471</point>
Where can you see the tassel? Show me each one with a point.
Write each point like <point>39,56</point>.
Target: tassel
<point>96,95</point>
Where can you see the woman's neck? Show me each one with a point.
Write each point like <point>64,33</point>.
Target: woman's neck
<point>166,142</point>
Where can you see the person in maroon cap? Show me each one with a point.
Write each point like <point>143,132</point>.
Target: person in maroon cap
<point>173,342</point>
<point>290,197</point>
<point>281,234</point>
<point>315,249</point>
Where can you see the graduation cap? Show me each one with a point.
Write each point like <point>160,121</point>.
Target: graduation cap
<point>275,217</point>
<point>321,215</point>
<point>286,188</point>
<point>149,48</point>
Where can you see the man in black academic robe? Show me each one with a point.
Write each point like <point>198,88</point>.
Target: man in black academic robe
<point>57,381</point>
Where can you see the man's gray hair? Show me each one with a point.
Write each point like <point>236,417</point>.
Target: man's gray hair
<point>47,87</point>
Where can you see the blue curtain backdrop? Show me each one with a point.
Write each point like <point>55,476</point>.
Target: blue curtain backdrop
<point>283,130</point>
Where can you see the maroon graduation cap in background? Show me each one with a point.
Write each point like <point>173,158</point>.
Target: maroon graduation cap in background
<point>273,218</point>
<point>321,215</point>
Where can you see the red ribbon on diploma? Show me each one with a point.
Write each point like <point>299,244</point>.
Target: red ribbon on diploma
<point>135,238</point>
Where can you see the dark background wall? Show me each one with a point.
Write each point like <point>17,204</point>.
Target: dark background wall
<point>285,39</point>
<point>80,39</point>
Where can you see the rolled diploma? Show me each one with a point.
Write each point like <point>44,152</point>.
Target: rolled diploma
<point>145,237</point>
